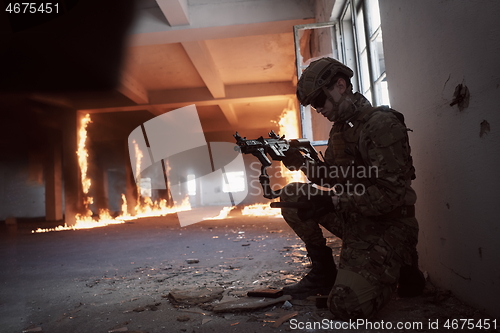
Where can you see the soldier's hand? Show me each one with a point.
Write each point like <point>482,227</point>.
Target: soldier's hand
<point>319,205</point>
<point>293,159</point>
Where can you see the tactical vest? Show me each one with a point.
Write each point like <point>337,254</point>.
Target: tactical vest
<point>344,144</point>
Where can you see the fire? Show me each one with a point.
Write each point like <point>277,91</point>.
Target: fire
<point>145,206</point>
<point>83,153</point>
<point>261,210</point>
<point>224,213</point>
<point>289,125</point>
<point>138,161</point>
<point>159,208</point>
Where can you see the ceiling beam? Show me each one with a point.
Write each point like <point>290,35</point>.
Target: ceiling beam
<point>237,93</point>
<point>241,93</point>
<point>203,62</point>
<point>175,11</point>
<point>229,113</point>
<point>135,91</point>
<point>206,14</point>
<point>132,89</point>
<point>215,32</point>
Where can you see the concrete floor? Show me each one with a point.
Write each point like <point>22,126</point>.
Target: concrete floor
<point>118,278</point>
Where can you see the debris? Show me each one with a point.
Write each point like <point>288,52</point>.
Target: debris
<point>284,318</point>
<point>248,304</point>
<point>272,293</point>
<point>183,318</point>
<point>92,283</point>
<point>205,320</point>
<point>149,307</point>
<point>191,311</point>
<point>121,329</point>
<point>287,305</point>
<point>35,329</point>
<point>302,302</point>
<point>195,296</point>
<point>321,302</point>
<point>192,261</point>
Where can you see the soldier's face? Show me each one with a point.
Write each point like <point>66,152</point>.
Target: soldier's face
<point>329,110</point>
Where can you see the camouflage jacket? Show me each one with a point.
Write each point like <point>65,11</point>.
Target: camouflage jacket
<point>369,160</point>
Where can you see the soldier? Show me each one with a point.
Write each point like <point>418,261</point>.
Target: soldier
<point>369,165</point>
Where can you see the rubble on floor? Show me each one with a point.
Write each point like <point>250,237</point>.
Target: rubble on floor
<point>201,284</point>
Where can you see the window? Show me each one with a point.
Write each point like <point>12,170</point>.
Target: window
<point>354,39</point>
<point>191,184</point>
<point>145,187</point>
<point>359,37</point>
<point>314,41</point>
<point>235,182</point>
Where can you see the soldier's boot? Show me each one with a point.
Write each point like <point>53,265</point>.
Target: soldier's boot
<point>320,279</point>
<point>411,281</point>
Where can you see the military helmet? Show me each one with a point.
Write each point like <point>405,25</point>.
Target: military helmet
<point>317,76</point>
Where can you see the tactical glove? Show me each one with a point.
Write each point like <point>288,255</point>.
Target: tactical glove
<point>319,205</point>
<point>293,159</point>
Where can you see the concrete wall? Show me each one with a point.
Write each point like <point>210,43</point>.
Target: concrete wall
<point>20,194</point>
<point>431,47</point>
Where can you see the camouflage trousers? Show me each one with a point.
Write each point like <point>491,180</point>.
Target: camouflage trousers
<point>373,251</point>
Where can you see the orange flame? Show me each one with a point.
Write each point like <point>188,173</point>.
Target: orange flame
<point>289,125</point>
<point>144,208</point>
<point>261,210</point>
<point>138,161</point>
<point>83,153</point>
<point>224,213</point>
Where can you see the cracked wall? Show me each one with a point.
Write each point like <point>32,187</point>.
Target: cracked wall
<point>433,47</point>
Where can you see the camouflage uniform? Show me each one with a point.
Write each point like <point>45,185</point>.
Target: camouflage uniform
<point>378,238</point>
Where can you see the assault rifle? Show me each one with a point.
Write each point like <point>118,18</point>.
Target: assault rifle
<point>278,148</point>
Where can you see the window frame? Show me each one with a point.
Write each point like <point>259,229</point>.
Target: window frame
<point>305,117</point>
<point>347,45</point>
<point>350,12</point>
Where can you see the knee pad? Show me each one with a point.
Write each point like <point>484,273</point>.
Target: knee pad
<point>354,297</point>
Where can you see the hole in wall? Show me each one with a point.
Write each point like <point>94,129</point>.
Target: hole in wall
<point>461,97</point>
<point>484,128</point>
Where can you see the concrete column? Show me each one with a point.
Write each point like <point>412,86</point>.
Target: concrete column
<point>53,179</point>
<point>73,194</point>
<point>131,186</point>
<point>99,178</point>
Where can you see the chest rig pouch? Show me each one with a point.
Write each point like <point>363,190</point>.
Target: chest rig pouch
<point>344,143</point>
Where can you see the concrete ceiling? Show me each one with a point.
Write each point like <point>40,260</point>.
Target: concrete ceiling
<point>234,59</point>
